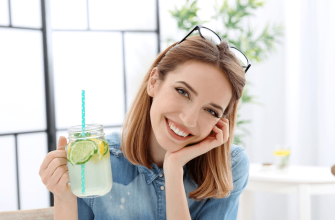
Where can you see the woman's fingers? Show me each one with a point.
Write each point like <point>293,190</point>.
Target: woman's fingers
<point>223,129</point>
<point>62,183</point>
<point>62,141</point>
<point>219,133</point>
<point>222,122</point>
<point>65,178</point>
<point>49,171</point>
<point>49,157</point>
<point>56,176</point>
<point>60,153</point>
<point>55,163</point>
<point>54,171</point>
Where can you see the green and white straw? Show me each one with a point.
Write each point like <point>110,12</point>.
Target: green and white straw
<point>83,134</point>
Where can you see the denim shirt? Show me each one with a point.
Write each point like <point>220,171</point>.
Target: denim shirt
<point>139,193</point>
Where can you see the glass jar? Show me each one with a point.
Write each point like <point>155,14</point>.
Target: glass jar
<point>282,154</point>
<point>89,163</point>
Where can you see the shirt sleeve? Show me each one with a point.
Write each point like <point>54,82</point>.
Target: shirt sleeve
<point>84,210</point>
<point>226,208</point>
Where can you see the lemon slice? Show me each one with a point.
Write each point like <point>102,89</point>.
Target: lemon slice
<point>68,153</point>
<point>101,147</point>
<point>281,152</point>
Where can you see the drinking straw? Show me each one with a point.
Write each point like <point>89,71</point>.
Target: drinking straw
<point>83,134</point>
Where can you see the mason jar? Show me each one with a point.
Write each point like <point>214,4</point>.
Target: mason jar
<point>88,159</point>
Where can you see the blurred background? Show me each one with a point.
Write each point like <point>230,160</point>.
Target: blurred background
<point>50,50</point>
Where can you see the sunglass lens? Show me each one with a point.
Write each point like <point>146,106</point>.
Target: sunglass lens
<point>209,35</point>
<point>243,60</point>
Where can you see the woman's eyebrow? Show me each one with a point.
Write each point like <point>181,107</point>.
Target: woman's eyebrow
<point>189,87</point>
<point>196,94</point>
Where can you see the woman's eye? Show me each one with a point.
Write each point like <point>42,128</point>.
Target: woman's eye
<point>215,114</point>
<point>183,92</point>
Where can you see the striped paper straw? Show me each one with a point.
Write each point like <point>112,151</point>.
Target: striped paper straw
<point>83,134</point>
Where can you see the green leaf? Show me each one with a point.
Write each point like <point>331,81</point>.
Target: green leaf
<point>243,122</point>
<point>79,134</point>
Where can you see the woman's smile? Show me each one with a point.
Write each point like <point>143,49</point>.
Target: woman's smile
<point>175,126</point>
<point>173,134</point>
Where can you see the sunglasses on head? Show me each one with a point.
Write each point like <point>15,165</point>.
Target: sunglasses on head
<point>210,35</point>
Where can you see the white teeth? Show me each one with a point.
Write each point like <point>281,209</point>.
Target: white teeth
<point>181,133</point>
<point>184,134</point>
<point>176,130</point>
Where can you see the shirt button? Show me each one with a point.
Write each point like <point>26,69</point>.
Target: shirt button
<point>162,187</point>
<point>160,175</point>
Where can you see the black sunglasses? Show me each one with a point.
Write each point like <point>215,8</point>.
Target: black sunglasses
<point>210,35</point>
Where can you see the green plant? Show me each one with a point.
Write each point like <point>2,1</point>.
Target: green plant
<point>256,47</point>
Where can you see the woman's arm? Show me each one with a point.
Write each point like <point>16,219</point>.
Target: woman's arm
<point>64,210</point>
<point>55,176</point>
<point>176,202</point>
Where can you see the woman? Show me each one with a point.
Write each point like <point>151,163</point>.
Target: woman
<point>176,159</point>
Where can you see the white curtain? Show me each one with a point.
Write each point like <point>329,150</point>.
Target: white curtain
<point>310,77</point>
<point>297,87</point>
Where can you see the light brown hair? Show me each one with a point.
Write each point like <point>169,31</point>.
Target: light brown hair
<point>212,170</point>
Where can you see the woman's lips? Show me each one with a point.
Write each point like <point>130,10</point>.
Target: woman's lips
<point>174,135</point>
<point>179,127</point>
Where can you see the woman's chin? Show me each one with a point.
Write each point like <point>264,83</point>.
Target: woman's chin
<point>169,146</point>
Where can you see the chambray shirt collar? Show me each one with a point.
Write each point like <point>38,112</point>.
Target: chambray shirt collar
<point>152,174</point>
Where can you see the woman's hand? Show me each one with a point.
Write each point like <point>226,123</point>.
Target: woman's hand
<point>179,158</point>
<point>54,172</point>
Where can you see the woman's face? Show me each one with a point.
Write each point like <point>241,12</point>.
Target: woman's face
<point>191,110</point>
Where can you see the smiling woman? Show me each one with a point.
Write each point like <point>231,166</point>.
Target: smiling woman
<point>175,158</point>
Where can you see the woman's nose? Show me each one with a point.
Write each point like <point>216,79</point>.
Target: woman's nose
<point>189,117</point>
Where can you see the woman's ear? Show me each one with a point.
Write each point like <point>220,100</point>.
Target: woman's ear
<point>152,82</point>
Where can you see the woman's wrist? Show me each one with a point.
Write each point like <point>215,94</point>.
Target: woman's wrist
<point>176,201</point>
<point>64,198</point>
<point>173,171</point>
<point>65,208</point>
<point>172,168</point>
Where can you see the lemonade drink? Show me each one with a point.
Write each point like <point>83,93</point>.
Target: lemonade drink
<point>282,155</point>
<point>89,162</point>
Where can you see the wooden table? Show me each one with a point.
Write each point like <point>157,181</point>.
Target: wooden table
<point>31,214</point>
<point>302,180</point>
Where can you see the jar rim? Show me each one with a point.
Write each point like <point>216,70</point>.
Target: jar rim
<point>88,127</point>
